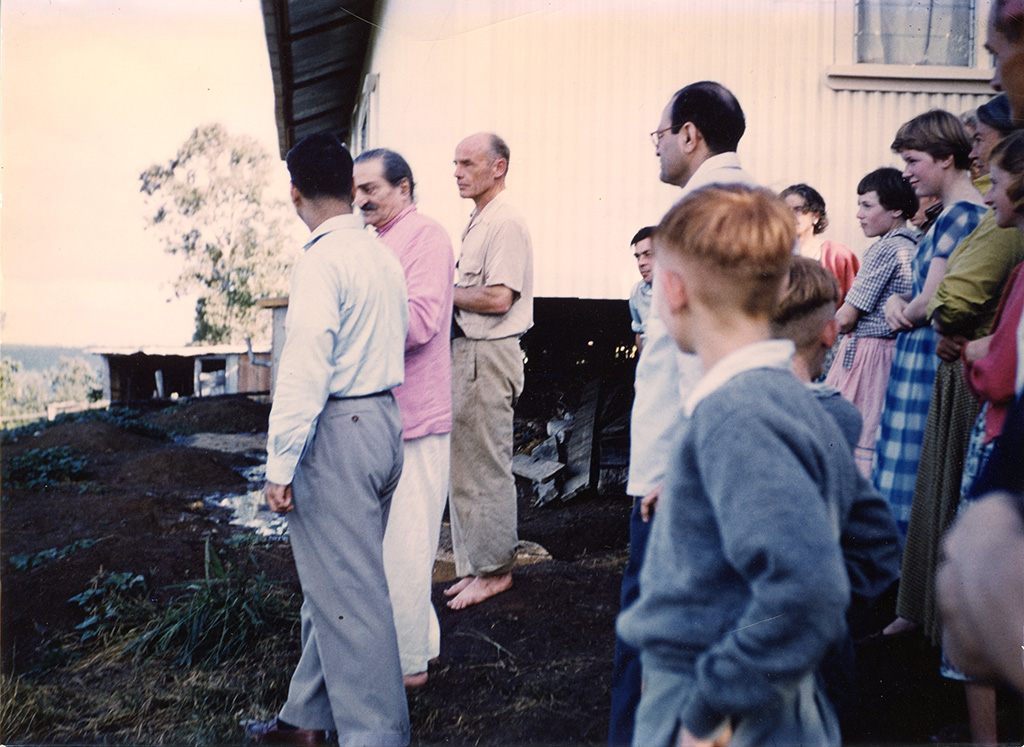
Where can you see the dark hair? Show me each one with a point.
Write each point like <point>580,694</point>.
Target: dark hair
<point>320,166</point>
<point>894,192</point>
<point>1007,23</point>
<point>811,286</point>
<point>643,233</point>
<point>1008,156</point>
<point>813,203</point>
<point>937,133</point>
<point>394,166</point>
<point>996,114</point>
<point>714,111</point>
<point>499,149</point>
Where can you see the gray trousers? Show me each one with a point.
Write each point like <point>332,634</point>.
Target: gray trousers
<point>348,677</point>
<point>487,379</point>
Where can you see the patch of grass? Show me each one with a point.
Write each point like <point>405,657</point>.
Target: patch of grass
<point>218,618</point>
<point>188,671</point>
<point>206,623</point>
<point>39,469</point>
<point>104,700</point>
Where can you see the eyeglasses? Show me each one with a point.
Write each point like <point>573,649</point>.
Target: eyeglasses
<point>657,135</point>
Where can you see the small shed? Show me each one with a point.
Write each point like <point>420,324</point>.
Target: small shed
<point>141,373</point>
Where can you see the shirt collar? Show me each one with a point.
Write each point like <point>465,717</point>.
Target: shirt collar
<point>345,220</point>
<point>727,160</point>
<point>394,221</point>
<point>764,354</point>
<point>498,199</point>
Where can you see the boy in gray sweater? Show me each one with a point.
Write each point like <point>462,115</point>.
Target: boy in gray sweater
<point>743,587</point>
<point>869,540</point>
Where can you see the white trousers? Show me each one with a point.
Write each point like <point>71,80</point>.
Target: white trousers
<point>410,548</point>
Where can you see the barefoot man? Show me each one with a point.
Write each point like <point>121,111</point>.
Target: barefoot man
<point>493,308</point>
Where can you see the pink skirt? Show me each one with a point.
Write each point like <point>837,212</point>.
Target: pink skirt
<point>864,384</point>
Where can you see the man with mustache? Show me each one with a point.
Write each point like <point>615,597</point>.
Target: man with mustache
<point>385,196</point>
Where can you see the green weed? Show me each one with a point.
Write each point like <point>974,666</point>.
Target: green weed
<point>217,618</point>
<point>111,602</point>
<point>27,561</point>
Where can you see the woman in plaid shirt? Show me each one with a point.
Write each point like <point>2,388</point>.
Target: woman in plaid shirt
<point>860,370</point>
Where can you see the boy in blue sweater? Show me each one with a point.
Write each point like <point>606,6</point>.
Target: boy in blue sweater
<point>743,587</point>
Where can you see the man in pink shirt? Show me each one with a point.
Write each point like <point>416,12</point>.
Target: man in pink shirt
<point>384,194</point>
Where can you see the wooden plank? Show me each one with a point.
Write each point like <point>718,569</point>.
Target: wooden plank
<point>582,466</point>
<point>537,470</point>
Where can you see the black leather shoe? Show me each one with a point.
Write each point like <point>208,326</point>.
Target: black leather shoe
<point>276,731</point>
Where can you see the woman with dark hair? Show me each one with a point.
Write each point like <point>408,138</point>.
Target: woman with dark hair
<point>860,370</point>
<point>811,221</point>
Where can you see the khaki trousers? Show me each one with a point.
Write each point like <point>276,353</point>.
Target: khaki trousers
<point>487,379</point>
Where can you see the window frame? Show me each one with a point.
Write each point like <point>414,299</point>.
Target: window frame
<point>849,75</point>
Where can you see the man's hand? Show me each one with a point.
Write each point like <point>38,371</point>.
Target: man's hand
<point>649,502</point>
<point>279,497</point>
<point>949,347</point>
<point>981,590</point>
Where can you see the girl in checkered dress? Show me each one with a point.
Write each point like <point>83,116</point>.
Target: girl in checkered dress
<point>860,370</point>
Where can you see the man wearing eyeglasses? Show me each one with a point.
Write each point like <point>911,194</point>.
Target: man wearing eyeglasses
<point>696,144</point>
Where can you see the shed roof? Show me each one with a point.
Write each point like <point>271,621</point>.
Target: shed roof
<point>184,351</point>
<point>317,49</point>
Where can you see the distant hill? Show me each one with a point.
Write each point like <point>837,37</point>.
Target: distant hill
<point>43,357</point>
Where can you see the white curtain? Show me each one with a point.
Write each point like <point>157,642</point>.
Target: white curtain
<point>916,32</point>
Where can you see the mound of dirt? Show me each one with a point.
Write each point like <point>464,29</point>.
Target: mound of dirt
<point>230,414</point>
<point>186,469</point>
<point>530,666</point>
<point>85,438</point>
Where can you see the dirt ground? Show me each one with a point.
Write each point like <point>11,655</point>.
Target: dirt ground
<point>531,666</point>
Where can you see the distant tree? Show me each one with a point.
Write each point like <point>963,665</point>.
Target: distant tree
<point>74,380</point>
<point>21,391</point>
<point>9,370</point>
<point>211,205</point>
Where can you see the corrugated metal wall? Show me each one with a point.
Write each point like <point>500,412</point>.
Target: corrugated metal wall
<point>574,86</point>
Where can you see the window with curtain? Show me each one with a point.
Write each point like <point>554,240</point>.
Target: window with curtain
<point>916,32</point>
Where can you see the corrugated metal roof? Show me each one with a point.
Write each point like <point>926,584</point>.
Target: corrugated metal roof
<point>317,49</point>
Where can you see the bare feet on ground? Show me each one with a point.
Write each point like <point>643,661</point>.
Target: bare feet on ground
<point>899,625</point>
<point>415,680</point>
<point>479,589</point>
<point>457,587</point>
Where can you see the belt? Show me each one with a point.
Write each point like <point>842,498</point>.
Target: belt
<point>339,398</point>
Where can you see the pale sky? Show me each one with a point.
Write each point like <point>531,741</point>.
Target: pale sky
<point>91,93</point>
